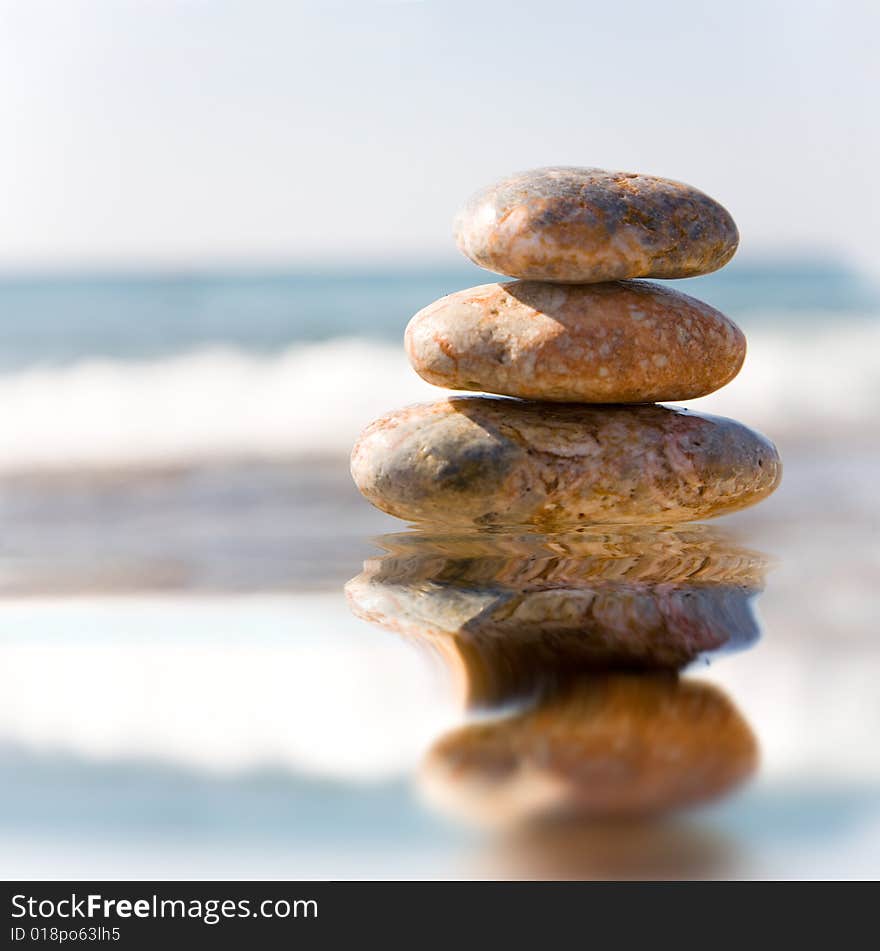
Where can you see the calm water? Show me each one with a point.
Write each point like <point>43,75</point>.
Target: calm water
<point>226,731</point>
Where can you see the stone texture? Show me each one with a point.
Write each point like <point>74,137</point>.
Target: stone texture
<point>482,461</point>
<point>608,746</point>
<point>585,225</point>
<point>621,342</point>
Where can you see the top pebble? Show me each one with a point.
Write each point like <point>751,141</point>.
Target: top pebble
<point>585,225</point>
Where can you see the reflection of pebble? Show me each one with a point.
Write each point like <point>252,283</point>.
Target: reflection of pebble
<point>612,745</point>
<point>505,643</point>
<point>626,342</point>
<point>512,616</point>
<point>582,849</point>
<point>584,225</point>
<point>636,553</point>
<point>482,461</point>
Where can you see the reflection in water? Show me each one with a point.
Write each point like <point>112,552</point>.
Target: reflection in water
<point>584,849</point>
<point>571,646</point>
<point>515,615</point>
<point>608,745</point>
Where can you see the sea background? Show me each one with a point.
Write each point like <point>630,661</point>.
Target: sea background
<point>179,367</point>
<point>184,692</point>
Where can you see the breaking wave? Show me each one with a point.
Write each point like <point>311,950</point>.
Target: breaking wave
<point>313,399</point>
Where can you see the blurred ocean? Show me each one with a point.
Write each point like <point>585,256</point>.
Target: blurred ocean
<point>155,370</point>
<point>54,321</point>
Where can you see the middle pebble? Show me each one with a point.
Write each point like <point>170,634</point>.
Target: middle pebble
<point>620,342</point>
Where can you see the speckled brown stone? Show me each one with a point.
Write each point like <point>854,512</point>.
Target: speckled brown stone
<point>614,745</point>
<point>622,342</point>
<point>585,225</point>
<point>485,461</point>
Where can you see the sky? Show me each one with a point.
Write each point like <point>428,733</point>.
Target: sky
<point>213,132</point>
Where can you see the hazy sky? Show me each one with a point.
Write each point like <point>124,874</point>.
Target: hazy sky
<point>202,131</point>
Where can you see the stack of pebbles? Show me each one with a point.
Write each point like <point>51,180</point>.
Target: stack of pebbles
<point>587,353</point>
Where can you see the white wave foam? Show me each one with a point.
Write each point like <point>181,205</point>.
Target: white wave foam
<point>205,405</point>
<point>314,399</point>
<point>803,382</point>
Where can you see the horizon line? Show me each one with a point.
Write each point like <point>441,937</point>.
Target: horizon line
<point>406,264</point>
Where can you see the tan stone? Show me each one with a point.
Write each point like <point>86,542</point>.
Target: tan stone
<point>585,225</point>
<point>483,461</point>
<point>620,342</point>
<point>616,745</point>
